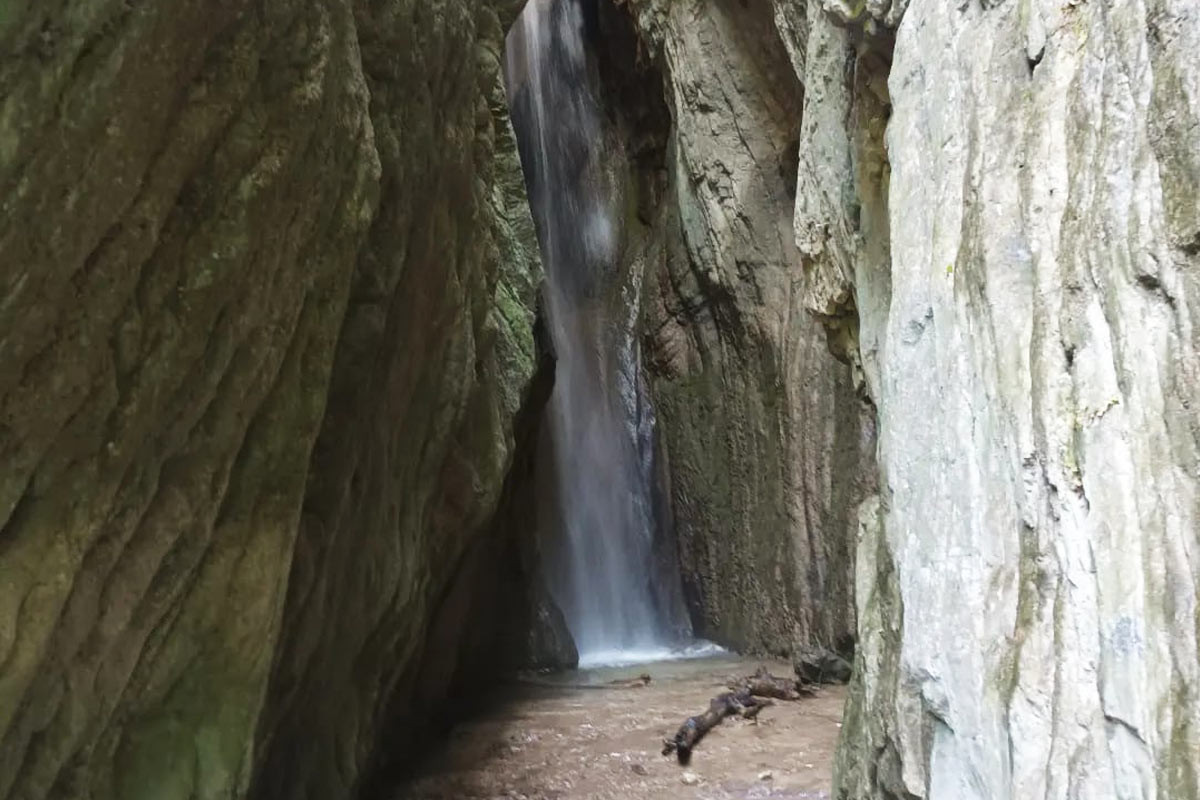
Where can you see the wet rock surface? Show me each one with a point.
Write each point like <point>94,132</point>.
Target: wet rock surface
<point>816,665</point>
<point>769,449</point>
<point>592,744</point>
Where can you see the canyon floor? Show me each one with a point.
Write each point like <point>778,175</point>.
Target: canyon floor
<point>552,741</point>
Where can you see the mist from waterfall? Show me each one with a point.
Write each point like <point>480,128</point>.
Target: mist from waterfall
<point>621,602</point>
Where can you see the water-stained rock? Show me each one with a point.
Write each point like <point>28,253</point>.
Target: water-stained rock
<point>769,448</point>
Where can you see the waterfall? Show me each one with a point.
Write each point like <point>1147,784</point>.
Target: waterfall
<point>619,600</point>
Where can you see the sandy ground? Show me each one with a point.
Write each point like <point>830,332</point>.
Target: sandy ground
<point>547,743</point>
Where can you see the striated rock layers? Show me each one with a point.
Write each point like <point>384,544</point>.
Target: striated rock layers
<point>267,280</point>
<point>996,220</point>
<point>769,449</point>
<point>999,219</point>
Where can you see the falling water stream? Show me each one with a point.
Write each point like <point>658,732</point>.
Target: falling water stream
<point>619,598</point>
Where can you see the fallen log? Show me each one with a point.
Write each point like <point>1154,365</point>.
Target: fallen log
<point>693,729</point>
<point>763,684</point>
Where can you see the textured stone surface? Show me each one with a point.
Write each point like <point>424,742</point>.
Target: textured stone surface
<point>266,285</point>
<point>1015,262</point>
<point>435,350</point>
<point>768,446</point>
<point>171,299</point>
<point>226,229</point>
<point>997,218</point>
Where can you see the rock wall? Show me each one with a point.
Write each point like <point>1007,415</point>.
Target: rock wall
<point>769,449</point>
<point>997,225</point>
<point>435,353</point>
<point>266,306</point>
<point>995,222</point>
<point>267,283</point>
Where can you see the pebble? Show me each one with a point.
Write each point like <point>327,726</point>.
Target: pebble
<point>638,768</point>
<point>690,778</point>
<point>765,775</point>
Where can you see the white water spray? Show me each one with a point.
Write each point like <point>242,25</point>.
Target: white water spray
<point>619,599</point>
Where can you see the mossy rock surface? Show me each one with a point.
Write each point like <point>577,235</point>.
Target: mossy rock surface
<point>268,283</point>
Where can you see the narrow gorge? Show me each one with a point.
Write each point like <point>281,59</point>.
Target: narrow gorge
<point>364,361</point>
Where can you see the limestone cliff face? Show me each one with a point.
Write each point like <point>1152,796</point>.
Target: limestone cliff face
<point>995,219</point>
<point>998,212</point>
<point>769,449</point>
<point>266,291</point>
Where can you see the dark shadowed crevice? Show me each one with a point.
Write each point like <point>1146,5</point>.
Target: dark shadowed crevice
<point>495,618</point>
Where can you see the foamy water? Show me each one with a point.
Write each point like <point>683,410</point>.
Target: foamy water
<point>649,655</point>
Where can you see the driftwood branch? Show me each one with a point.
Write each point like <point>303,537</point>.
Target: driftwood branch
<point>693,729</point>
<point>750,695</point>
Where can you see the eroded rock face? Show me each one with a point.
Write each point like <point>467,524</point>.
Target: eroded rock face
<point>266,292</point>
<point>435,353</point>
<point>770,450</point>
<point>1016,271</point>
<point>996,214</point>
<point>267,297</point>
